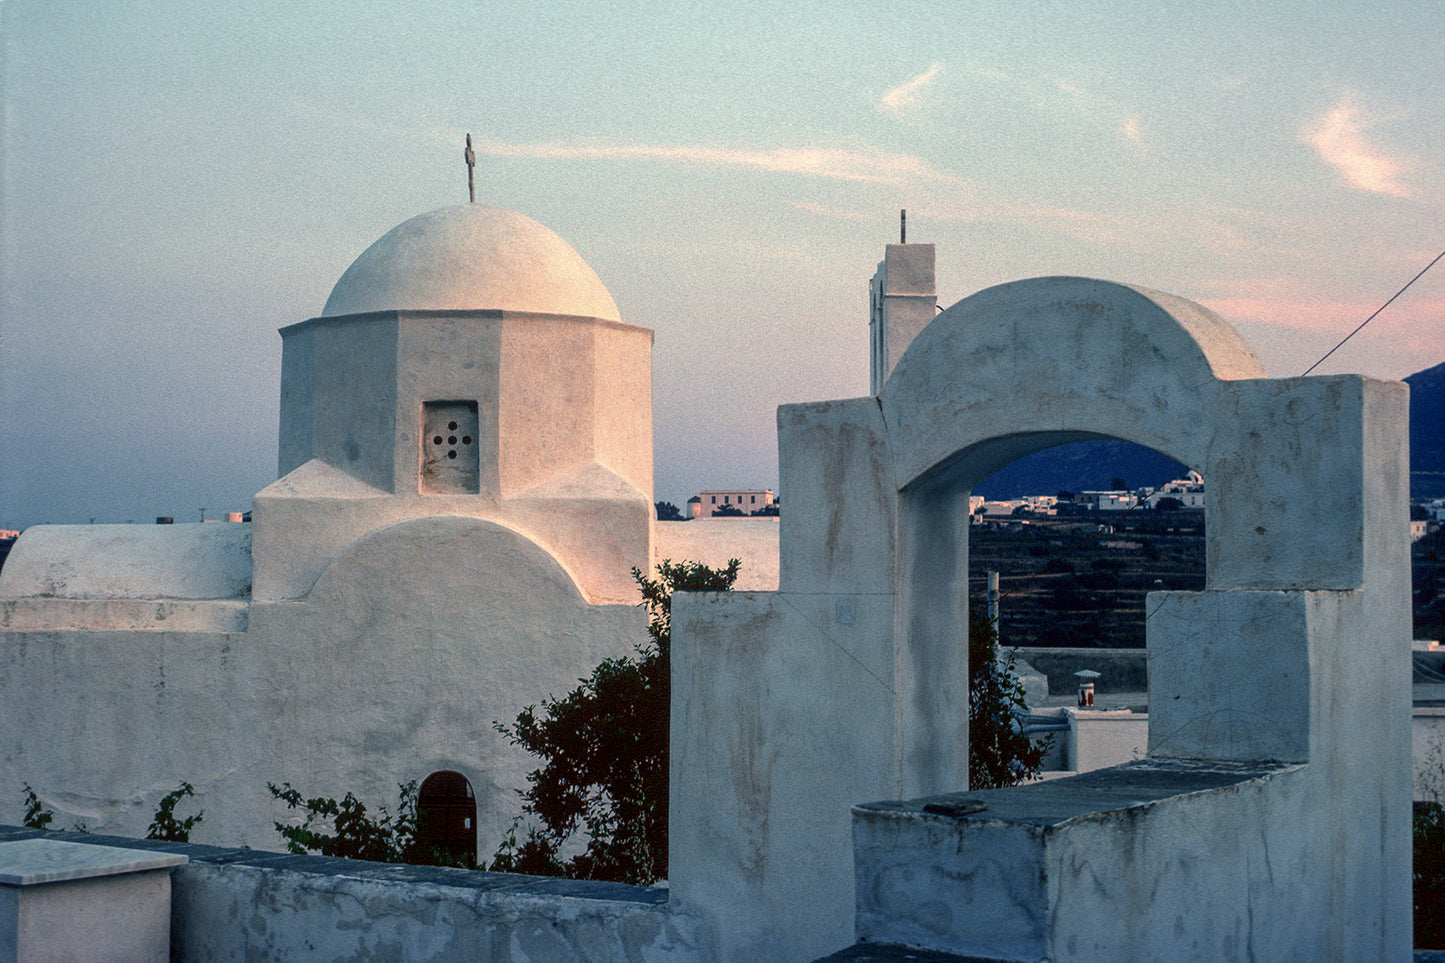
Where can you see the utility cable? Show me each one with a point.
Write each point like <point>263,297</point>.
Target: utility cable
<point>1377,311</point>
<point>1003,594</point>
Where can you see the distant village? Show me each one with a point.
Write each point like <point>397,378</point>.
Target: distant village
<point>1186,493</point>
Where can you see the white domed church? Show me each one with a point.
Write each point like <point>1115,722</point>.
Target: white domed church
<point>465,483</point>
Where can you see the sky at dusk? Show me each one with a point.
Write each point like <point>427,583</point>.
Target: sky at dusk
<point>182,179</point>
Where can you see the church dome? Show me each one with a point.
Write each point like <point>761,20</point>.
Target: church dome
<point>471,257</point>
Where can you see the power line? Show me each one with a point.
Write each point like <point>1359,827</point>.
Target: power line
<point>1377,311</point>
<point>1099,531</point>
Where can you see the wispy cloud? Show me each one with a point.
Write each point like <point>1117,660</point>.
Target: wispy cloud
<point>1090,106</point>
<point>1339,138</point>
<point>1294,327</point>
<point>904,97</point>
<point>1132,131</point>
<point>977,203</point>
<point>1295,304</point>
<point>867,165</point>
<point>881,167</point>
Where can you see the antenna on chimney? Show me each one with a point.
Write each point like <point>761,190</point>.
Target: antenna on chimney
<point>471,166</point>
<point>903,227</point>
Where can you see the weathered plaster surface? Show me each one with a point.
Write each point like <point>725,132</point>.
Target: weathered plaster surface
<point>139,615</point>
<point>242,911</point>
<point>838,527</point>
<point>95,562</point>
<point>715,541</point>
<point>1140,862</point>
<point>236,904</point>
<point>756,833</point>
<point>1428,752</point>
<point>395,665</point>
<point>1297,651</point>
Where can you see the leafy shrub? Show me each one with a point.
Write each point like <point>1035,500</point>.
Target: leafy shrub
<point>605,752</point>
<point>383,838</point>
<point>1429,856</point>
<point>36,816</point>
<point>354,834</point>
<point>999,754</point>
<point>165,825</point>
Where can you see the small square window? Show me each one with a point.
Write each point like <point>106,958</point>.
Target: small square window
<point>449,448</point>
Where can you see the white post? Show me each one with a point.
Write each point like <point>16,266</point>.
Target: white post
<point>993,608</point>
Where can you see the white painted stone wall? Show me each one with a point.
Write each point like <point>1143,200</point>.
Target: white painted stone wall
<point>752,541</point>
<point>395,665</point>
<point>1098,738</point>
<point>110,562</point>
<point>234,904</point>
<point>1141,862</point>
<point>1428,752</point>
<point>274,908</point>
<point>1296,651</point>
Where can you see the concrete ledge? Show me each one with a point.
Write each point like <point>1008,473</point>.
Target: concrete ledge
<point>1058,801</point>
<point>125,615</point>
<point>37,860</point>
<point>239,904</point>
<point>999,874</point>
<point>893,953</point>
<point>67,900</point>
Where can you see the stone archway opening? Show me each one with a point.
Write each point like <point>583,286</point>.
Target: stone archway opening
<point>1075,575</point>
<point>1079,534</point>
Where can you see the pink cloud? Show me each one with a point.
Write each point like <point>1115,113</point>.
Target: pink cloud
<point>1339,139</point>
<point>833,163</point>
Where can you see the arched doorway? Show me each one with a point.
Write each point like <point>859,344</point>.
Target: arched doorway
<point>447,817</point>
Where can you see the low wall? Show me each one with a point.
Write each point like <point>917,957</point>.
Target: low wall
<point>241,904</point>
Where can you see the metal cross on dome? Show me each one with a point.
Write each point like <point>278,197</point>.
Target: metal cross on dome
<point>471,166</point>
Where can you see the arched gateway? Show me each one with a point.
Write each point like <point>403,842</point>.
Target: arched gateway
<point>1272,810</point>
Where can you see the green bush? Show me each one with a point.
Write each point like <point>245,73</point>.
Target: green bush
<point>999,754</point>
<point>1429,856</point>
<point>165,825</point>
<point>604,748</point>
<point>353,834</point>
<point>36,816</point>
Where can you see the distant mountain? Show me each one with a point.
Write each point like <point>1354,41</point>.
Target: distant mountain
<point>1093,465</point>
<point>1081,466</point>
<point>1427,432</point>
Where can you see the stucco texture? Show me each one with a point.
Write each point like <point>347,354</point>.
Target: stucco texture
<point>395,665</point>
<point>1296,651</point>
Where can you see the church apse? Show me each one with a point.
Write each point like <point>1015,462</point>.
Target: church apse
<point>462,494</point>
